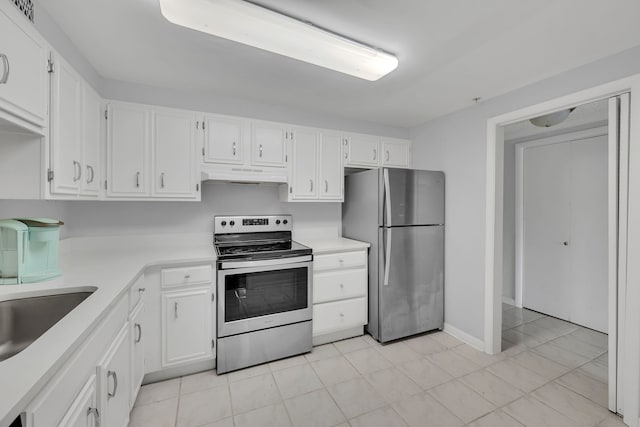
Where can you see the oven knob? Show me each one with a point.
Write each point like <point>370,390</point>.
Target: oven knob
<point>285,222</point>
<point>277,222</point>
<point>223,223</point>
<point>232,223</point>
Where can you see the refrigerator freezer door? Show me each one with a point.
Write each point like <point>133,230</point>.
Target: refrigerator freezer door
<point>413,300</point>
<point>411,197</point>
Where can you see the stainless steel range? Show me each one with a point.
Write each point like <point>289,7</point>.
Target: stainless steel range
<point>264,291</point>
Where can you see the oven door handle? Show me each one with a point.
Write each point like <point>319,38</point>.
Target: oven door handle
<point>226,265</point>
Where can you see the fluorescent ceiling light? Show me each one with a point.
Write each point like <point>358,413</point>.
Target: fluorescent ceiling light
<point>259,27</point>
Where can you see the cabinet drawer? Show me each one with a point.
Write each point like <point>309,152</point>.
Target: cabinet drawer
<point>337,285</point>
<point>336,316</point>
<point>186,275</point>
<point>340,260</point>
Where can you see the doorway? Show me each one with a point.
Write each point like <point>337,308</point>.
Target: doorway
<point>569,220</point>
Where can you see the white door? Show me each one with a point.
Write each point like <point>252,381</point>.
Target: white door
<point>186,326</point>
<point>304,166</point>
<point>24,82</point>
<point>137,337</point>
<point>331,182</point>
<point>66,130</point>
<point>363,150</point>
<point>565,231</point>
<point>395,153</point>
<point>223,140</point>
<point>84,409</point>
<point>268,144</point>
<point>128,138</point>
<point>114,382</point>
<point>174,154</point>
<point>92,114</point>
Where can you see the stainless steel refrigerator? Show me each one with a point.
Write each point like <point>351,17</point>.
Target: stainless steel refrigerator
<point>401,213</point>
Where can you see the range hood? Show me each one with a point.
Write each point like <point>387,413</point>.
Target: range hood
<point>240,173</point>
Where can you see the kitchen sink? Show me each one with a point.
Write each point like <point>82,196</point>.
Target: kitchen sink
<point>24,320</point>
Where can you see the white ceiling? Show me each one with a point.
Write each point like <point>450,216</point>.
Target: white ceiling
<point>450,51</point>
<point>593,114</point>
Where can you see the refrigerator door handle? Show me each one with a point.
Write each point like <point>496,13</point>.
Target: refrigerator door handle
<point>387,257</point>
<point>387,197</point>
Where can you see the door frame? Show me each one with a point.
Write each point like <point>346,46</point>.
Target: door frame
<point>630,341</point>
<point>519,195</point>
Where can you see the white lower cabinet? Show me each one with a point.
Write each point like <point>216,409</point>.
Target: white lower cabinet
<point>114,381</point>
<point>84,411</point>
<point>137,338</point>
<point>186,325</point>
<point>340,291</point>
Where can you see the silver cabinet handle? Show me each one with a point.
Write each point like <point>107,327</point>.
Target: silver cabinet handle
<point>175,309</point>
<point>115,384</point>
<point>387,155</point>
<point>260,150</point>
<point>387,260</point>
<point>90,174</point>
<point>375,154</point>
<point>162,180</point>
<point>137,179</point>
<point>326,186</point>
<point>141,290</point>
<point>310,185</point>
<point>96,416</point>
<point>5,74</point>
<point>234,148</point>
<point>139,328</point>
<point>77,171</point>
<point>187,276</point>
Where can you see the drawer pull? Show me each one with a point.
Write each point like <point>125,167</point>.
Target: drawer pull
<point>341,285</point>
<point>341,314</point>
<point>115,384</point>
<point>187,276</point>
<point>141,290</point>
<point>139,328</point>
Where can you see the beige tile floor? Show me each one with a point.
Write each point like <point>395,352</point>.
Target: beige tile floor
<point>551,373</point>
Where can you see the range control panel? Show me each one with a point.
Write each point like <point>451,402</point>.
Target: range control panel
<point>252,224</point>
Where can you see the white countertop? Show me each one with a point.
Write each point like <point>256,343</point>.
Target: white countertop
<point>334,244</point>
<point>110,272</point>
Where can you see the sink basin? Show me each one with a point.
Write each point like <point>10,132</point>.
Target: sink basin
<point>22,321</point>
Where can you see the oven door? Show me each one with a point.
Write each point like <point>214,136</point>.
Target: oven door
<point>254,295</point>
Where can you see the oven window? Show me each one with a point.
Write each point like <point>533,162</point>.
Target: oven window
<point>265,292</point>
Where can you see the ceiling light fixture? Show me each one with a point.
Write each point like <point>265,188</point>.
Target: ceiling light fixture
<point>256,26</point>
<point>551,119</point>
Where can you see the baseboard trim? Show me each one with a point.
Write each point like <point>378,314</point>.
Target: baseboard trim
<point>509,301</point>
<point>474,342</point>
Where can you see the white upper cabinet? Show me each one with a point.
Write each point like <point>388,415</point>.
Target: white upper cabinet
<point>331,169</point>
<point>223,139</point>
<point>24,85</point>
<point>92,114</point>
<point>66,130</point>
<point>316,172</point>
<point>174,153</point>
<point>304,168</point>
<point>396,153</point>
<point>128,142</point>
<point>268,144</point>
<point>362,150</point>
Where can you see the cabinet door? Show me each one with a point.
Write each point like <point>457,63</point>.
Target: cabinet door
<point>186,326</point>
<point>363,150</point>
<point>114,381</point>
<point>24,85</point>
<point>304,183</point>
<point>127,150</point>
<point>396,153</point>
<point>268,144</point>
<point>66,130</point>
<point>223,140</point>
<point>84,409</point>
<point>331,182</point>
<point>174,153</point>
<point>137,339</point>
<point>92,114</point>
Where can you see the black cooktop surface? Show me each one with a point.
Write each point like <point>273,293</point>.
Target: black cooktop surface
<point>258,246</point>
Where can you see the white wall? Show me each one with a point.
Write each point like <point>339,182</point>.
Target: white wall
<point>456,144</point>
<point>218,198</point>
